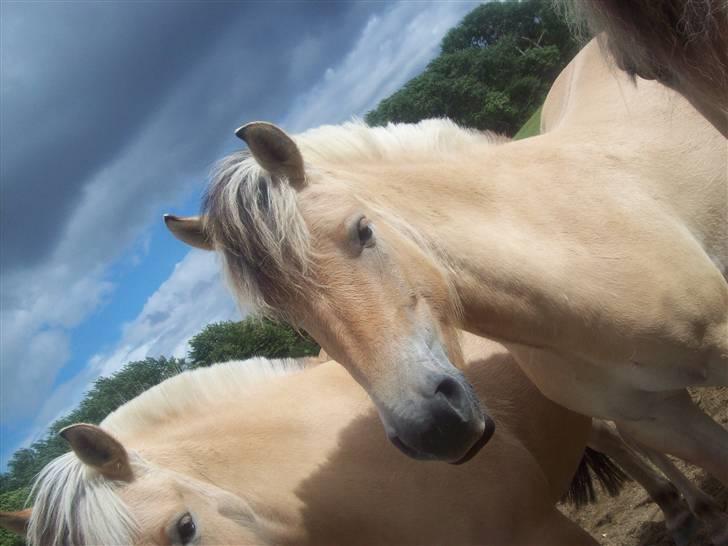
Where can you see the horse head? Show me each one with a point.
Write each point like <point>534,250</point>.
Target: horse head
<point>305,242</point>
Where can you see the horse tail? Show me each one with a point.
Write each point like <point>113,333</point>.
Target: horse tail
<point>593,465</point>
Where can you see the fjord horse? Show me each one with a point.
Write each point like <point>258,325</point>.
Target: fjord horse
<point>272,453</point>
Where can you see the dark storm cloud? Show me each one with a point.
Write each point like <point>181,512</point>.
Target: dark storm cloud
<point>80,81</point>
<point>109,112</point>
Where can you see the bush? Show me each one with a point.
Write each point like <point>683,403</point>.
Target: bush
<point>252,337</point>
<point>495,69</point>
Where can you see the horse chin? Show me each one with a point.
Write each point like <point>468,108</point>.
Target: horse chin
<point>410,452</point>
<point>488,431</point>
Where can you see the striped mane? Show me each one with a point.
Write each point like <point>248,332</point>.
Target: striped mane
<point>74,504</point>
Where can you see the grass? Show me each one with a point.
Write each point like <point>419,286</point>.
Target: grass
<point>531,127</point>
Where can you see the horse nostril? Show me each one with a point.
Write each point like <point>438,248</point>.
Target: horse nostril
<point>454,394</point>
<point>448,387</point>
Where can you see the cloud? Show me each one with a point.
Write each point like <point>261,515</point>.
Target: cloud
<point>110,113</point>
<point>193,296</point>
<point>33,330</point>
<point>393,47</point>
<point>68,112</point>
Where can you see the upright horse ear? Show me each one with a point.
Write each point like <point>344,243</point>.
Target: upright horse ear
<point>188,229</point>
<point>98,449</point>
<point>274,150</point>
<point>17,522</point>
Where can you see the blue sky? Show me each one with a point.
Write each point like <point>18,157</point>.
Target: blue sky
<point>112,113</point>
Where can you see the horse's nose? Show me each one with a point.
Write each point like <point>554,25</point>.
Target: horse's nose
<point>451,419</point>
<point>445,422</point>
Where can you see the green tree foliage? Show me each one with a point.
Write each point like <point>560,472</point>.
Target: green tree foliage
<point>494,70</point>
<point>252,337</point>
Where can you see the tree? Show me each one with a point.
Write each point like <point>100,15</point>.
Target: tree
<point>533,23</point>
<point>495,69</point>
<point>252,337</point>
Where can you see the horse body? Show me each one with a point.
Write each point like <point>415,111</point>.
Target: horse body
<point>300,459</point>
<point>683,44</point>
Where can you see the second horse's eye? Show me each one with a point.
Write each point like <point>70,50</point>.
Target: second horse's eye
<point>366,234</point>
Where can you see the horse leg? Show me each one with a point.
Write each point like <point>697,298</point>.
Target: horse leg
<point>680,522</point>
<point>557,530</point>
<point>701,504</point>
<point>672,423</point>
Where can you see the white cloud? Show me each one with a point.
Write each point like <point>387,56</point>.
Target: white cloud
<point>34,331</point>
<point>193,296</point>
<point>392,48</point>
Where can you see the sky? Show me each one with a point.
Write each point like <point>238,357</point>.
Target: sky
<point>112,114</point>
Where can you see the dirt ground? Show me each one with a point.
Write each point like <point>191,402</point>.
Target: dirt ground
<point>632,519</point>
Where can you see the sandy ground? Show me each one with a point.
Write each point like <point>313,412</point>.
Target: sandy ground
<point>632,519</point>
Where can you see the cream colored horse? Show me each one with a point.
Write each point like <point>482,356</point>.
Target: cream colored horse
<point>263,452</point>
<point>596,252</point>
<point>681,43</point>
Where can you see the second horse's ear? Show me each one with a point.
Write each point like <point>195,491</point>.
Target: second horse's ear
<point>275,151</point>
<point>99,450</point>
<point>188,229</point>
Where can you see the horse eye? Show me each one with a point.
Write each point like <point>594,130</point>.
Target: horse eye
<point>366,235</point>
<point>186,528</point>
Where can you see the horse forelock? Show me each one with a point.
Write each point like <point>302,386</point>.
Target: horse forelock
<point>75,505</point>
<point>255,221</point>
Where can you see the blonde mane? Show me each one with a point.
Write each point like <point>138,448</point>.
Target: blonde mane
<point>184,394</point>
<point>254,220</point>
<point>356,142</point>
<point>74,504</point>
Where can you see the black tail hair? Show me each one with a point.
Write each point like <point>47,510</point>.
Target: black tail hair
<point>594,464</point>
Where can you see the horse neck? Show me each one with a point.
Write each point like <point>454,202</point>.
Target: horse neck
<point>485,214</point>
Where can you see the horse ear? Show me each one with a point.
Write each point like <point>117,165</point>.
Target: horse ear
<point>17,522</point>
<point>98,449</point>
<point>188,229</point>
<point>274,150</point>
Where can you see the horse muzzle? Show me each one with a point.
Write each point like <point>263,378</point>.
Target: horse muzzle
<point>446,425</point>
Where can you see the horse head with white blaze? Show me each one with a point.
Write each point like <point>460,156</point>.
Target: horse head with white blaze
<point>305,236</point>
